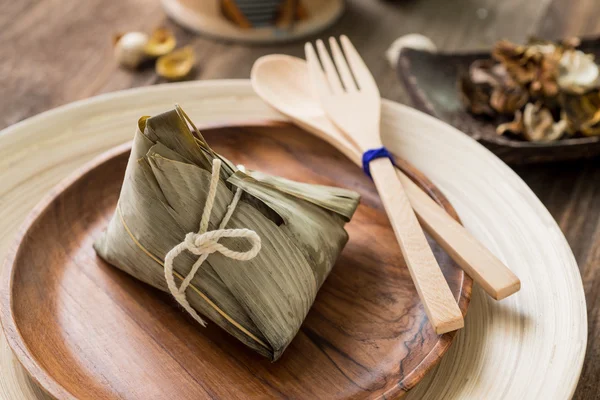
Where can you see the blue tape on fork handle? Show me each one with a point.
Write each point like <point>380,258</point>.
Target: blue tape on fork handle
<point>374,154</point>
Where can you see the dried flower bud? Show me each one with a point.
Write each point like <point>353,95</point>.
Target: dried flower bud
<point>475,97</point>
<point>488,89</point>
<point>539,125</point>
<point>561,80</point>
<point>582,112</point>
<point>515,126</point>
<point>534,67</point>
<point>160,43</point>
<point>176,65</point>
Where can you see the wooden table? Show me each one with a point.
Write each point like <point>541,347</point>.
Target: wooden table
<point>58,51</point>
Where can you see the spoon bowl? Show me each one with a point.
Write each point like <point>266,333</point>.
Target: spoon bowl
<point>285,81</point>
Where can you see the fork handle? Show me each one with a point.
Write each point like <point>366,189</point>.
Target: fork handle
<point>434,292</point>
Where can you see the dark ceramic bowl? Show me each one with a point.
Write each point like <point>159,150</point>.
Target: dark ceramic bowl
<point>431,81</point>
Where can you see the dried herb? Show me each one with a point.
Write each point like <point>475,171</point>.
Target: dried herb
<point>515,126</point>
<point>551,90</point>
<point>161,42</point>
<point>534,67</point>
<point>489,90</point>
<point>539,125</point>
<point>582,112</point>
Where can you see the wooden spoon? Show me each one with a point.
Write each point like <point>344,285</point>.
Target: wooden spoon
<point>283,82</point>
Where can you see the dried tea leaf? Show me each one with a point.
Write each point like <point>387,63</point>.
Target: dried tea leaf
<point>476,86</point>
<point>515,126</point>
<point>476,98</point>
<point>555,77</point>
<point>508,99</point>
<point>489,90</point>
<point>161,42</point>
<point>582,112</point>
<point>534,67</point>
<point>539,125</point>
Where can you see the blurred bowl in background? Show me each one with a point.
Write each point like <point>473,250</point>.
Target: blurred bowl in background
<point>254,21</point>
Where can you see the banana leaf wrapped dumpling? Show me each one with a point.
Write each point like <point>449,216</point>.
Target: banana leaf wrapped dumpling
<point>247,250</point>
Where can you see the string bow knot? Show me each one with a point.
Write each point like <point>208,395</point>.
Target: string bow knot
<point>204,243</point>
<point>208,243</point>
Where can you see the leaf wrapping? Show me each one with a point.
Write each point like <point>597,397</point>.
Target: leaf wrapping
<point>262,301</point>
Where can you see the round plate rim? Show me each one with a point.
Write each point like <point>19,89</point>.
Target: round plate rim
<point>44,378</point>
<point>564,378</point>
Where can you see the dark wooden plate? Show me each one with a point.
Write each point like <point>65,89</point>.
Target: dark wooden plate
<point>84,329</point>
<point>431,81</point>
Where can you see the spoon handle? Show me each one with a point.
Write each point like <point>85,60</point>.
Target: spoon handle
<point>474,258</point>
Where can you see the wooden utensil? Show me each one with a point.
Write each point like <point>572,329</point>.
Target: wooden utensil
<point>83,329</point>
<point>431,81</point>
<point>283,82</point>
<point>355,108</point>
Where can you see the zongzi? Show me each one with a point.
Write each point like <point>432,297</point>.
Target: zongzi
<point>247,250</point>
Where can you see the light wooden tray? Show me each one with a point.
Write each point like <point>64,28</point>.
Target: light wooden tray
<point>204,16</point>
<point>528,346</point>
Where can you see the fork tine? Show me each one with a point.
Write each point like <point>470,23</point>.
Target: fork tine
<point>363,76</point>
<point>317,78</point>
<point>330,71</point>
<point>342,66</point>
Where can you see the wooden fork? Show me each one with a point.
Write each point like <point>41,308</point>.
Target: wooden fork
<point>350,98</point>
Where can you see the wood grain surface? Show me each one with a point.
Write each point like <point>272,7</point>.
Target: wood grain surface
<point>367,319</point>
<point>58,51</point>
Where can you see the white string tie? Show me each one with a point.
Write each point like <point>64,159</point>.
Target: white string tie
<point>204,243</point>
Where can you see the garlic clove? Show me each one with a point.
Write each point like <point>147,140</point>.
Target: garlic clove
<point>129,48</point>
<point>176,65</point>
<point>413,41</point>
<point>160,43</point>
